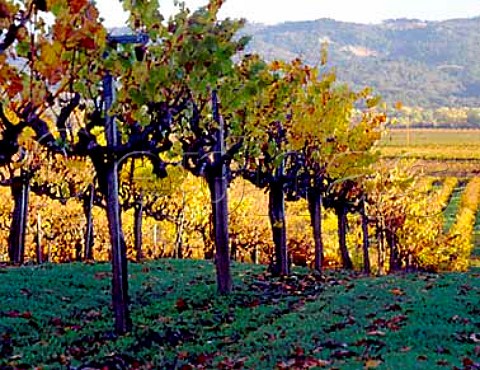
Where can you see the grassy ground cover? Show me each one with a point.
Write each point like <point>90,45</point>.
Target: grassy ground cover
<point>475,259</point>
<point>58,317</point>
<point>450,212</point>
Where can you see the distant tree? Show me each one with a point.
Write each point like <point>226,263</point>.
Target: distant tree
<point>473,117</point>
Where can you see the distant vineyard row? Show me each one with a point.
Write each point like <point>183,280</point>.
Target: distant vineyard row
<point>56,232</point>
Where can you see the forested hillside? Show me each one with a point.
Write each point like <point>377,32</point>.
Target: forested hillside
<point>427,64</point>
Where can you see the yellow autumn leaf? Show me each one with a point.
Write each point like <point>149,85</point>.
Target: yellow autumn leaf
<point>372,364</point>
<point>50,53</point>
<point>11,116</point>
<point>99,133</point>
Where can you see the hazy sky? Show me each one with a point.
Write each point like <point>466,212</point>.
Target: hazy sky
<point>275,11</point>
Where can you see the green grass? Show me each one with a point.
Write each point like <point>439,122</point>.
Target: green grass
<point>475,258</point>
<point>450,212</point>
<point>58,317</point>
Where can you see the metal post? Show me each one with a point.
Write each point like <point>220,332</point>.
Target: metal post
<point>120,296</point>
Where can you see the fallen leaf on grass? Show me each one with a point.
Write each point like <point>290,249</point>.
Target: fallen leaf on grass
<point>102,275</point>
<point>26,292</point>
<point>343,353</point>
<point>393,307</point>
<point>12,314</point>
<point>378,333</point>
<point>350,320</point>
<point>228,363</point>
<point>459,319</point>
<point>181,305</point>
<point>397,291</point>
<point>370,344</point>
<point>372,364</point>
<point>442,350</point>
<point>93,314</point>
<point>469,364</point>
<point>17,314</point>
<point>186,367</point>
<point>26,315</point>
<point>395,322</point>
<point>164,319</point>
<point>443,363</point>
<point>428,286</point>
<point>202,359</point>
<point>145,269</point>
<point>475,337</point>
<point>254,303</point>
<point>306,363</point>
<point>56,321</point>
<point>332,344</point>
<point>467,337</point>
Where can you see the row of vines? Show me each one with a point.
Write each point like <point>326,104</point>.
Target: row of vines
<point>56,231</point>
<point>172,140</point>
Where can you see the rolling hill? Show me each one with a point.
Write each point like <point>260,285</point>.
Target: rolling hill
<point>420,63</point>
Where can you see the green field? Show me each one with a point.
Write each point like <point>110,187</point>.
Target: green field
<point>431,137</point>
<point>58,317</point>
<point>432,144</point>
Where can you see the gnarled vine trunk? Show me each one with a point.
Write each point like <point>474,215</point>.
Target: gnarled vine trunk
<point>180,224</point>
<point>395,258</point>
<point>137,227</point>
<point>20,190</point>
<point>365,240</point>
<point>38,240</point>
<point>315,209</point>
<point>381,246</point>
<point>342,237</point>
<point>110,185</point>
<point>120,296</point>
<point>219,201</point>
<point>87,211</point>
<point>276,212</point>
<point>217,184</point>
